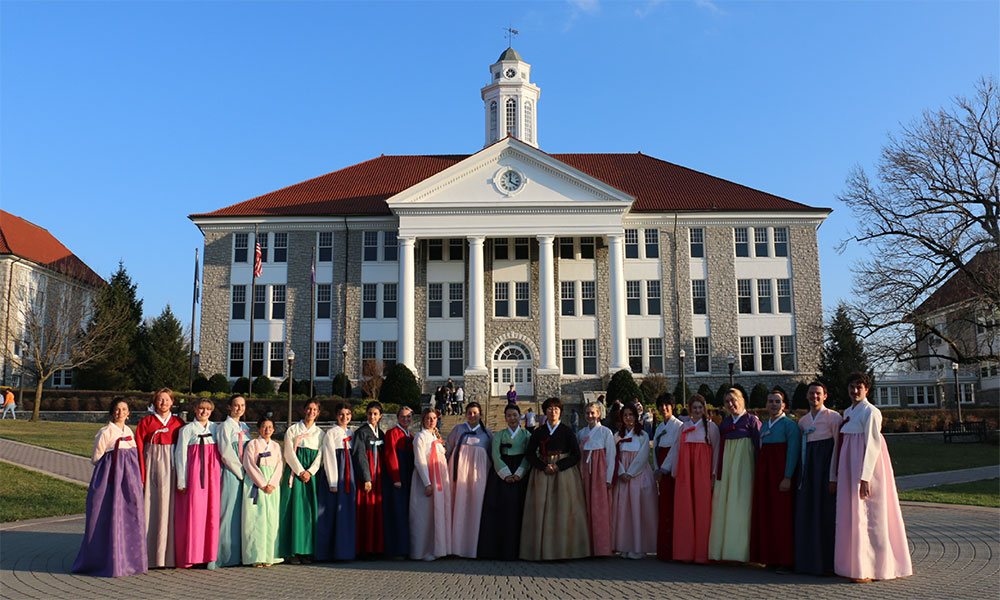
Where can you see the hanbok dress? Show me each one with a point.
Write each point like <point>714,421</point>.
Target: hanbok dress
<point>155,438</point>
<point>262,462</point>
<point>815,506</point>
<point>772,524</point>
<point>468,450</point>
<point>196,513</point>
<point>368,457</point>
<point>555,510</point>
<point>667,435</point>
<point>871,537</point>
<point>336,511</point>
<point>503,504</point>
<point>230,437</point>
<point>396,501</point>
<point>430,516</point>
<point>114,537</point>
<point>297,527</point>
<point>732,499</point>
<point>693,461</point>
<point>633,502</point>
<point>597,470</point>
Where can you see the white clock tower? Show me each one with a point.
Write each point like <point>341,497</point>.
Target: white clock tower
<point>511,100</point>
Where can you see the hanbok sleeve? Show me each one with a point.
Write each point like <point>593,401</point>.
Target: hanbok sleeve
<point>641,460</point>
<point>532,451</point>
<point>329,452</point>
<point>524,466</point>
<point>836,420</point>
<point>873,444</point>
<point>793,448</point>
<point>180,457</point>
<point>498,464</point>
<point>714,439</point>
<point>140,429</point>
<point>289,453</point>
<point>275,479</point>
<point>423,445</point>
<point>359,452</point>
<point>610,453</point>
<point>318,461</point>
<point>573,449</point>
<point>230,459</point>
<point>250,465</point>
<point>667,466</point>
<point>451,441</point>
<point>101,442</point>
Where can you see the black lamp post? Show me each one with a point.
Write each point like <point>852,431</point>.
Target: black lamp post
<point>958,399</point>
<point>291,363</point>
<point>731,361</point>
<point>343,393</point>
<point>682,354</point>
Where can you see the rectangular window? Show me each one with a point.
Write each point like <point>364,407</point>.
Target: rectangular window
<point>763,296</point>
<point>369,301</point>
<point>390,246</point>
<point>631,243</point>
<point>652,243</point>
<point>566,248</point>
<point>277,359</point>
<point>256,359</point>
<point>240,242</point>
<point>568,295</point>
<point>325,246</point>
<point>501,299</point>
<point>633,297</point>
<point>435,250</point>
<point>569,357</point>
<point>456,249</point>
<point>434,360</point>
<point>747,355</point>
<point>323,300</point>
<point>635,354</point>
<point>767,353</point>
<point>522,248</point>
<point>787,353</point>
<point>388,355</point>
<point>744,294</point>
<point>262,240</point>
<point>281,247</point>
<point>781,241</point>
<point>587,246</point>
<point>522,299</point>
<point>236,350</point>
<point>653,297</point>
<point>967,392</point>
<point>701,362</point>
<point>590,357</point>
<point>389,300</point>
<point>367,353</point>
<point>456,300</point>
<point>785,295</point>
<point>322,359</point>
<point>239,294</point>
<point>259,302</point>
<point>500,249</point>
<point>277,302</point>
<point>655,355</point>
<point>456,359</point>
<point>434,300</point>
<point>740,236</point>
<point>588,297</point>
<point>369,252</point>
<point>699,299</point>
<point>760,243</point>
<point>697,239</point>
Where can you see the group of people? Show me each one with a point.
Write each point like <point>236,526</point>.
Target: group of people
<point>817,495</point>
<point>449,399</point>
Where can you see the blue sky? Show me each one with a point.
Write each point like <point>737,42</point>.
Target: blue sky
<point>118,119</point>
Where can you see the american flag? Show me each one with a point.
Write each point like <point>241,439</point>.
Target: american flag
<point>257,269</point>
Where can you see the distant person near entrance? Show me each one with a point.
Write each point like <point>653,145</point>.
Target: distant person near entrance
<point>512,395</point>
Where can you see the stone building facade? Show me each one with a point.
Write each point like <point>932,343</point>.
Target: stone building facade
<point>511,265</point>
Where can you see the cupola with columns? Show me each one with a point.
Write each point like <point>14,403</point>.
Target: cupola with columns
<point>510,101</point>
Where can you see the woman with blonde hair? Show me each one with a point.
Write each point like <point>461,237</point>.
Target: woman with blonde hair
<point>732,499</point>
<point>693,463</point>
<point>430,497</point>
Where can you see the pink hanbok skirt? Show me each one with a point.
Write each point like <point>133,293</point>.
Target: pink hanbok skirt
<point>634,510</point>
<point>594,472</point>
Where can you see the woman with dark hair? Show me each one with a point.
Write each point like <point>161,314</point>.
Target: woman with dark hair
<point>114,537</point>
<point>261,497</point>
<point>633,496</point>
<point>732,498</point>
<point>230,438</point>
<point>297,533</point>
<point>597,470</point>
<point>667,435</point>
<point>468,449</point>
<point>336,506</point>
<point>156,437</point>
<point>772,524</point>
<point>500,531</point>
<point>368,455</point>
<point>196,457</point>
<point>555,513</point>
<point>693,463</point>
<point>816,498</point>
<point>430,502</point>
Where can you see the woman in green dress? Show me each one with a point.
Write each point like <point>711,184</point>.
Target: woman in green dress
<point>297,533</point>
<point>503,505</point>
<point>261,497</point>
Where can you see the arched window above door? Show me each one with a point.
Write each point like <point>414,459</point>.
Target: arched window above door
<point>512,351</point>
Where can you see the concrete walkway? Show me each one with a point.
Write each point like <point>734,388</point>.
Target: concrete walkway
<point>925,480</point>
<point>61,465</point>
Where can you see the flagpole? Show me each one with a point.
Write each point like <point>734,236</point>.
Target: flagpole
<point>312,322</point>
<point>194,304</point>
<point>253,302</point>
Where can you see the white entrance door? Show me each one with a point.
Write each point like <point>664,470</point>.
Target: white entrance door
<point>512,364</point>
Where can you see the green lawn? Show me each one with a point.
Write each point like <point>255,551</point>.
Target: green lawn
<point>910,458</point>
<point>977,493</point>
<point>29,495</point>
<point>75,438</point>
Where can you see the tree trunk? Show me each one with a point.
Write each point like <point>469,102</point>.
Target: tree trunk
<point>38,400</point>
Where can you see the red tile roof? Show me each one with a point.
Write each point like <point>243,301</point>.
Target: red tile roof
<point>959,287</point>
<point>362,189</point>
<point>27,240</point>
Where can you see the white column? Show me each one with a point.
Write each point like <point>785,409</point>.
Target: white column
<point>619,345</point>
<point>405,298</point>
<point>546,291</point>
<point>477,309</point>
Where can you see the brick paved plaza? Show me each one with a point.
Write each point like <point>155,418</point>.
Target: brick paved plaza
<point>956,554</point>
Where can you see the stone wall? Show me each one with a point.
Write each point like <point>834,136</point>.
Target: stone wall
<point>721,284</point>
<point>807,299</point>
<point>216,297</point>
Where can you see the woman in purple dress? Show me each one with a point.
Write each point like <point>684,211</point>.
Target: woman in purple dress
<point>114,541</point>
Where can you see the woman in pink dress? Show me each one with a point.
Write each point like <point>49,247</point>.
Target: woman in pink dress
<point>633,496</point>
<point>430,494</point>
<point>871,538</point>
<point>597,468</point>
<point>468,449</point>
<point>199,481</point>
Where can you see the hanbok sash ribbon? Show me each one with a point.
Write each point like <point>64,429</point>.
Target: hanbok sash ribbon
<point>239,444</point>
<point>256,490</point>
<point>347,465</point>
<point>375,450</point>
<point>435,465</point>
<point>201,455</point>
<point>158,432</point>
<point>805,440</point>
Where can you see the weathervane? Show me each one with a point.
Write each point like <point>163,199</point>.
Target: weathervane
<point>510,35</point>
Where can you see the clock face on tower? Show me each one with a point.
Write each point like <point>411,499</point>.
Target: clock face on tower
<point>509,73</point>
<point>509,181</point>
